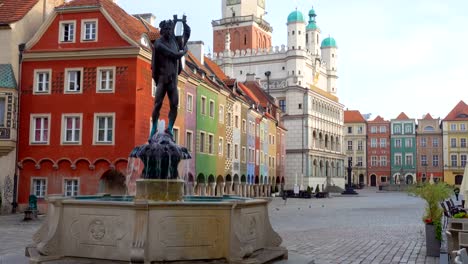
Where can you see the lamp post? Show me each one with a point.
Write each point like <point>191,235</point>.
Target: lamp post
<point>349,188</point>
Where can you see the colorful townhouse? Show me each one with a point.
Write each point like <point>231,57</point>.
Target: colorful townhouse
<point>429,149</point>
<point>19,20</point>
<point>455,135</point>
<point>86,99</point>
<point>355,136</point>
<point>403,149</point>
<point>378,152</point>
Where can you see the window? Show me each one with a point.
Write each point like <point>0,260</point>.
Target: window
<point>408,129</point>
<point>453,127</point>
<point>67,31</point>
<point>189,140</point>
<point>350,130</point>
<point>383,142</point>
<point>397,143</point>
<point>236,151</point>
<point>435,142</point>
<point>453,142</point>
<point>257,157</point>
<point>282,105</point>
<point>423,160</point>
<point>408,143</point>
<point>383,129</point>
<point>463,142</point>
<point>244,126</point>
<point>463,160</point>
<point>373,129</point>
<point>71,187</point>
<point>220,146</point>
<point>463,127</point>
<point>40,125</point>
<point>397,129</point>
<point>359,146</point>
<point>73,80</point>
<point>221,114</point>
<point>2,111</point>
<point>373,142</point>
<point>39,188</point>
<point>423,142</point>
<point>104,128</point>
<point>228,150</point>
<point>71,128</point>
<point>229,119</point>
<point>454,160</point>
<point>89,30</point>
<point>398,159</point>
<point>236,121</point>
<point>350,145</point>
<point>175,132</point>
<point>42,81</point>
<point>210,144</point>
<point>244,154</point>
<point>383,161</point>
<point>202,142</point>
<point>203,105</point>
<point>374,161</point>
<point>212,109</point>
<point>106,79</point>
<point>299,106</point>
<point>360,130</point>
<point>359,161</point>
<point>435,160</point>
<point>408,159</point>
<point>189,102</point>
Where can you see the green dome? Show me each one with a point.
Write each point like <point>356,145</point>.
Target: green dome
<point>329,43</point>
<point>311,25</point>
<point>295,16</point>
<point>312,12</point>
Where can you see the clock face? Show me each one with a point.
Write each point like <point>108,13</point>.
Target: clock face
<point>232,2</point>
<point>261,3</point>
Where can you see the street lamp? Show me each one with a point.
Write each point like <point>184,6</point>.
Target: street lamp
<point>349,188</point>
<point>268,74</point>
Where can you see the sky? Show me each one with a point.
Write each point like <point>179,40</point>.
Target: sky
<point>394,55</point>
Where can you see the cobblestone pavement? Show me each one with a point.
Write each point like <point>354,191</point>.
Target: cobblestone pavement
<point>373,227</point>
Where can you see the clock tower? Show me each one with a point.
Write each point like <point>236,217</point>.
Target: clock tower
<point>244,23</point>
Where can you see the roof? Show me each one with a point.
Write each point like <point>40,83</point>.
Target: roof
<point>261,94</point>
<point>14,10</point>
<point>329,43</point>
<point>215,69</point>
<point>248,92</point>
<point>402,116</point>
<point>7,77</point>
<point>459,112</point>
<point>428,117</point>
<point>353,116</point>
<point>379,119</point>
<point>325,94</point>
<point>295,16</point>
<point>130,25</point>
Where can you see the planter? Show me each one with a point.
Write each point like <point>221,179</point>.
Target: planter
<point>432,243</point>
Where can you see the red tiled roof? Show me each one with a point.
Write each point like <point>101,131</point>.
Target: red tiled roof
<point>249,93</point>
<point>130,25</point>
<point>215,69</point>
<point>14,10</point>
<point>402,116</point>
<point>229,82</point>
<point>263,97</point>
<point>378,119</point>
<point>459,112</point>
<point>428,117</point>
<point>353,116</point>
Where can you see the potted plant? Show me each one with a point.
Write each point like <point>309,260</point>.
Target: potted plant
<point>433,194</point>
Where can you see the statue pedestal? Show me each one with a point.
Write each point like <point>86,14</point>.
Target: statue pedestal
<point>159,190</point>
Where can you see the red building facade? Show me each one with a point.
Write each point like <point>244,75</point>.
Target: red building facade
<point>378,151</point>
<point>85,98</point>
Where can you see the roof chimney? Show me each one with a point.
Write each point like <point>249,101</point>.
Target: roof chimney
<point>198,50</point>
<point>250,77</point>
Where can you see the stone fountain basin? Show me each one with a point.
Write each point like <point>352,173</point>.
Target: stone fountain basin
<point>123,229</point>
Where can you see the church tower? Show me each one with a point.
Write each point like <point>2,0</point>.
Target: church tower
<point>313,35</point>
<point>329,56</point>
<point>244,22</point>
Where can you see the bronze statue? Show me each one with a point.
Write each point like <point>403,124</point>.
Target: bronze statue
<point>166,65</point>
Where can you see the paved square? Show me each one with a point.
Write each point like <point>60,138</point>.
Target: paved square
<point>373,227</point>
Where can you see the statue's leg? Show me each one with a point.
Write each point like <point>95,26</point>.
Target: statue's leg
<point>158,100</point>
<point>173,95</point>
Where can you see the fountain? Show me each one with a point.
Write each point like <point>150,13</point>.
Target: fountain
<point>157,224</point>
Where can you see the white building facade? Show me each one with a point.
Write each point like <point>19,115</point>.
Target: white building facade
<point>302,76</point>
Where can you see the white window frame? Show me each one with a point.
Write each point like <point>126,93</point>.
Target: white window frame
<point>95,129</point>
<point>435,160</point>
<point>176,134</point>
<point>203,105</point>
<point>383,142</point>
<point>453,142</point>
<point>383,129</point>
<point>33,187</point>
<point>397,143</point>
<point>65,187</point>
<point>202,143</point>
<point>244,155</point>
<point>36,81</point>
<point>373,143</point>
<point>32,129</point>
<point>373,129</point>
<point>61,31</point>
<point>83,30</point>
<point>211,108</point>
<point>408,143</point>
<point>189,102</point>
<point>398,157</point>
<point>211,145</point>
<point>383,161</point>
<point>64,129</point>
<point>236,152</point>
<point>220,146</point>
<point>244,126</point>
<point>187,145</point>
<point>99,72</point>
<point>409,157</point>
<point>67,81</point>
<point>453,160</point>
<point>221,114</point>
<point>229,150</point>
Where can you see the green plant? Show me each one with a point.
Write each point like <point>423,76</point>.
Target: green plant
<point>317,189</point>
<point>438,229</point>
<point>309,190</point>
<point>460,215</point>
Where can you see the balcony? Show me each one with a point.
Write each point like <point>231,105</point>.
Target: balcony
<point>7,140</point>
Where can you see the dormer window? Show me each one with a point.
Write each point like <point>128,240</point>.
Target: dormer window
<point>67,31</point>
<point>89,30</point>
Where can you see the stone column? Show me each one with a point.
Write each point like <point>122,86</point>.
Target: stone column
<point>241,192</point>
<point>221,188</point>
<point>229,187</point>
<point>201,189</point>
<point>212,188</point>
